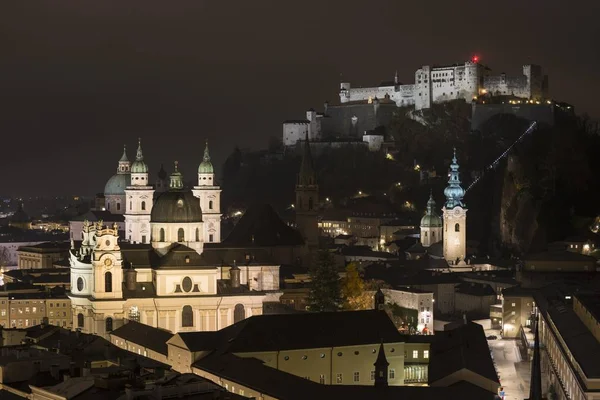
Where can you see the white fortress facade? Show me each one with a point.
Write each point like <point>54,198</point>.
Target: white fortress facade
<point>438,84</point>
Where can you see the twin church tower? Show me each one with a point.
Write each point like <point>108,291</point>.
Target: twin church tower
<point>451,228</point>
<point>139,197</point>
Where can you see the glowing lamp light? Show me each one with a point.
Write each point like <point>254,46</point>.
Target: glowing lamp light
<point>475,59</point>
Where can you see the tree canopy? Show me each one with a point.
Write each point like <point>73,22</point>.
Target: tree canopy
<point>325,290</point>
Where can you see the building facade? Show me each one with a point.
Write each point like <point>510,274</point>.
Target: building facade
<point>209,194</point>
<point>138,207</point>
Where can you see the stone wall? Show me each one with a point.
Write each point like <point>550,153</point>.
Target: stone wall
<point>542,113</point>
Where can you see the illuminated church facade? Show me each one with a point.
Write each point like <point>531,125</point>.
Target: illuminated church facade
<point>162,275</point>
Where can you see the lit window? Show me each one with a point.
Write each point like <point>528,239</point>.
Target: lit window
<point>513,304</point>
<point>338,378</point>
<point>322,379</point>
<point>425,353</point>
<point>392,374</point>
<point>415,353</point>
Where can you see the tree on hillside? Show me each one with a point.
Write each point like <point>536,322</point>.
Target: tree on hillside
<point>353,290</point>
<point>325,290</point>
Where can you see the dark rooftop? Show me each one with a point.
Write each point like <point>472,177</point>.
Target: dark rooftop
<point>261,226</point>
<point>144,335</point>
<point>475,289</point>
<point>96,215</point>
<point>567,256</point>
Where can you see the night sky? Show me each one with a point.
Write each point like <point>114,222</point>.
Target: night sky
<point>78,79</point>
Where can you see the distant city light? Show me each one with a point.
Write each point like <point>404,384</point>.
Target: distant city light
<point>359,192</point>
<point>475,59</point>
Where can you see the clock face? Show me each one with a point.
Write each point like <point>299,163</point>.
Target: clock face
<point>108,242</point>
<point>108,262</point>
<point>457,211</point>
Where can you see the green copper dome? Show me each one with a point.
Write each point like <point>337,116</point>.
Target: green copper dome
<point>139,166</point>
<point>206,166</point>
<point>116,184</point>
<point>431,219</point>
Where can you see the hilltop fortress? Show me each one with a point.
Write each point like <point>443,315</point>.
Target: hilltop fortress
<point>362,112</point>
<point>439,84</point>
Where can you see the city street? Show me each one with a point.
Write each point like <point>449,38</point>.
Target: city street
<point>513,373</point>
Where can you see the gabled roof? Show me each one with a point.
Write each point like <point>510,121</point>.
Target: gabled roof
<point>262,226</point>
<point>144,335</point>
<point>462,348</point>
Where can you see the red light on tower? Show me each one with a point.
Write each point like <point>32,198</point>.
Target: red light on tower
<point>475,59</point>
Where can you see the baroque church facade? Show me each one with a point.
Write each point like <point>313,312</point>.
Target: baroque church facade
<point>162,275</point>
<point>449,230</point>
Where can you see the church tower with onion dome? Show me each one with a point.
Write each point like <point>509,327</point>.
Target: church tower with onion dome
<point>114,190</point>
<point>139,196</point>
<point>455,218</point>
<point>209,194</point>
<point>431,225</point>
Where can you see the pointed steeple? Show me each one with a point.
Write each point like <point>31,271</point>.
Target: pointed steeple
<point>431,219</point>
<point>535,388</point>
<point>454,192</point>
<point>306,177</point>
<point>381,368</point>
<point>124,156</point>
<point>139,156</point>
<point>162,174</point>
<point>124,164</point>
<point>176,178</point>
<point>396,80</point>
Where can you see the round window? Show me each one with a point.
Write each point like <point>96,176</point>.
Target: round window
<point>340,354</point>
<point>108,242</point>
<point>186,285</point>
<point>80,284</point>
<point>322,355</point>
<point>286,358</point>
<point>304,357</point>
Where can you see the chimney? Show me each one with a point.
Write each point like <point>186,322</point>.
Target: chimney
<point>234,276</point>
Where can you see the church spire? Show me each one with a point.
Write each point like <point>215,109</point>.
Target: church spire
<point>396,80</point>
<point>124,165</point>
<point>306,177</point>
<point>205,167</point>
<point>454,192</point>
<point>139,156</point>
<point>381,368</point>
<point>206,153</point>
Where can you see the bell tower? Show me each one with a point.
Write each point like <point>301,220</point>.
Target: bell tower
<point>139,198</point>
<point>455,218</point>
<point>209,195</point>
<point>307,198</point>
<point>107,264</point>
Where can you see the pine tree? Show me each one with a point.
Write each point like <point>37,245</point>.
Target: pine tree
<point>325,290</point>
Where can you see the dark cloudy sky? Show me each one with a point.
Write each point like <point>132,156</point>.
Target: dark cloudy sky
<point>80,78</point>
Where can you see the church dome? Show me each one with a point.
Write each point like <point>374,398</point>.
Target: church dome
<point>176,206</point>
<point>139,166</point>
<point>431,221</point>
<point>116,184</point>
<point>206,166</point>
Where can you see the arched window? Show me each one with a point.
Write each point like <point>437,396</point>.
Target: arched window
<point>210,205</point>
<point>108,206</point>
<point>425,233</point>
<point>108,282</point>
<point>187,316</point>
<point>80,320</point>
<point>80,284</point>
<point>456,227</point>
<point>197,235</point>
<point>118,206</point>
<point>180,235</point>
<point>432,233</point>
<point>109,324</point>
<point>162,235</point>
<point>130,205</point>
<point>299,203</point>
<point>310,203</point>
<point>143,205</point>
<point>239,313</point>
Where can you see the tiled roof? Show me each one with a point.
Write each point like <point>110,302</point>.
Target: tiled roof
<point>475,289</point>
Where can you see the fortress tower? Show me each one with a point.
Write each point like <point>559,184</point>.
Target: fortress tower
<point>455,218</point>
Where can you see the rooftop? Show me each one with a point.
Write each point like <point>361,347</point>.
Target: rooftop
<point>475,289</point>
<point>144,335</point>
